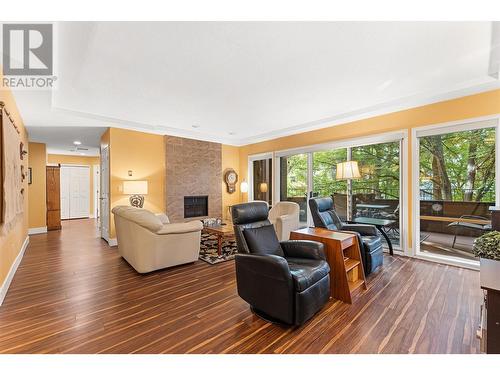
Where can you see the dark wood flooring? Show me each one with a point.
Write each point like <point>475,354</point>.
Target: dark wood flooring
<point>73,294</point>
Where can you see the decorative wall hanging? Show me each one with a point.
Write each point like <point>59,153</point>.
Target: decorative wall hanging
<point>12,169</point>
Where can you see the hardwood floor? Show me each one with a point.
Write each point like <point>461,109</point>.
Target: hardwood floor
<point>74,294</point>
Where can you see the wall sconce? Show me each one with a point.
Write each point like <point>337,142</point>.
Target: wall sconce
<point>136,190</point>
<point>244,186</point>
<point>263,187</point>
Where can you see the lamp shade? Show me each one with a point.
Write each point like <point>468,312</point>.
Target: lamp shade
<point>348,170</point>
<point>244,186</point>
<point>135,187</point>
<point>263,187</point>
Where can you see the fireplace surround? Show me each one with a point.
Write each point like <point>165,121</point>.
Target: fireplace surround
<point>193,169</point>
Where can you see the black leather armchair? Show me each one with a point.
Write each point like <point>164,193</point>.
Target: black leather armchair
<point>286,281</point>
<point>324,216</point>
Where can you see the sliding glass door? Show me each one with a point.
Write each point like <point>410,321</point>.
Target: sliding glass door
<point>457,185</point>
<point>372,196</point>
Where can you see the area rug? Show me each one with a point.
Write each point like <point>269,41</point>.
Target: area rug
<point>208,249</point>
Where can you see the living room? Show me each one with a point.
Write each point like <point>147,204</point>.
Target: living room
<point>256,189</point>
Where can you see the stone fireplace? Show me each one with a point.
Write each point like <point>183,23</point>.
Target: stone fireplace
<point>194,170</point>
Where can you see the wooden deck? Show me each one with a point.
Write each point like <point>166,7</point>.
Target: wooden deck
<point>74,294</point>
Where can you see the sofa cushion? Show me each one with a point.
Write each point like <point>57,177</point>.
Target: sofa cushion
<point>263,240</point>
<point>140,216</point>
<point>307,272</point>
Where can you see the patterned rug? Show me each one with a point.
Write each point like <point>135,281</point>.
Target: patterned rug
<point>208,249</point>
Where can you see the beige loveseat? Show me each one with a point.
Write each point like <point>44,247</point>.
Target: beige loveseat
<point>149,242</point>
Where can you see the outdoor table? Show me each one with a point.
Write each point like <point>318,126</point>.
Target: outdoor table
<point>379,224</point>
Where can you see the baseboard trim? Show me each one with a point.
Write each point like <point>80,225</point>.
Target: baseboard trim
<point>38,230</point>
<point>113,242</point>
<point>12,271</point>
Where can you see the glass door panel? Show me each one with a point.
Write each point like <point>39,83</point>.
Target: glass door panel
<point>376,194</point>
<point>323,176</point>
<point>262,180</point>
<point>294,183</point>
<point>457,185</point>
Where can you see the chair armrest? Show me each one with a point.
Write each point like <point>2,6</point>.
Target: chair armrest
<point>163,218</point>
<point>191,226</point>
<point>363,229</point>
<point>303,249</point>
<point>268,266</point>
<point>287,218</point>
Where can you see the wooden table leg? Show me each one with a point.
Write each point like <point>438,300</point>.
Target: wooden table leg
<point>219,245</point>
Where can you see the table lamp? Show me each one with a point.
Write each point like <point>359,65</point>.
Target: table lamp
<point>136,190</point>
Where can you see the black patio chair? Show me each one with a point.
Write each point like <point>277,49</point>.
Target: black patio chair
<point>459,225</point>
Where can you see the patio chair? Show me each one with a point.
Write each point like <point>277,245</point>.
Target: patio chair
<point>458,225</point>
<point>394,215</point>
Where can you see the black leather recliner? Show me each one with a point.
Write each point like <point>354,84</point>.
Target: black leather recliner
<point>324,216</point>
<point>286,281</point>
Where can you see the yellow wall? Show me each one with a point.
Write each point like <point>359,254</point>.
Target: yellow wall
<point>487,103</point>
<point>230,159</point>
<point>37,210</point>
<point>142,153</point>
<point>79,160</point>
<point>11,242</point>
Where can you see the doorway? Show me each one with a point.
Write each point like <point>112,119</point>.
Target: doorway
<point>75,191</point>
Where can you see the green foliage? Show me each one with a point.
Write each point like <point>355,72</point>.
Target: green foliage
<point>469,166</point>
<point>487,246</point>
<point>379,168</point>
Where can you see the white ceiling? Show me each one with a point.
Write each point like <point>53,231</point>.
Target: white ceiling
<point>243,82</point>
<point>60,140</point>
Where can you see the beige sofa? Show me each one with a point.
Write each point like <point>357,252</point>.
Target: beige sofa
<point>149,242</point>
<point>285,218</point>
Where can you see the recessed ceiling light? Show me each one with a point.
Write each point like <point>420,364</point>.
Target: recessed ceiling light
<point>77,143</point>
<point>195,126</point>
<point>231,133</point>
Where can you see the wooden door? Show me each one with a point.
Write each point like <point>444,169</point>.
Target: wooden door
<point>53,198</point>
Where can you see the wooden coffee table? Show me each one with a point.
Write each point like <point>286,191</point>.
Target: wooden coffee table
<point>344,257</point>
<point>222,232</point>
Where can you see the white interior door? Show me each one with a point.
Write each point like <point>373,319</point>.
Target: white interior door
<point>75,183</point>
<point>104,198</point>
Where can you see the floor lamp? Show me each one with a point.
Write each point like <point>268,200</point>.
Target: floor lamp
<point>348,170</point>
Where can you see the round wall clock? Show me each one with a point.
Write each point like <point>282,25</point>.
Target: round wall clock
<point>230,178</point>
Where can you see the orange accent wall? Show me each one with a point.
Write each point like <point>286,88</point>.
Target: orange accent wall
<point>12,241</point>
<point>37,210</point>
<point>230,159</point>
<point>483,104</point>
<point>144,155</point>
